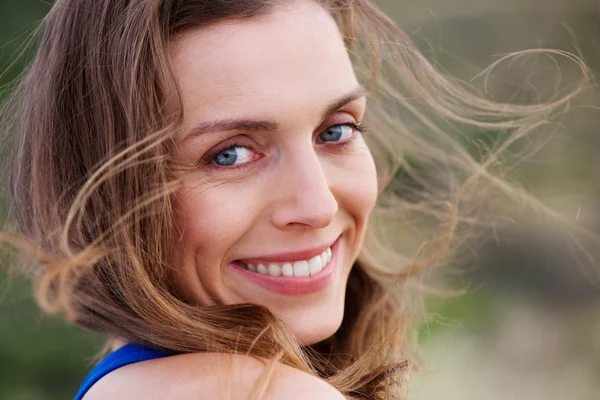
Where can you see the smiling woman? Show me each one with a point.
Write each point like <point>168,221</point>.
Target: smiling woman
<point>283,179</point>
<point>198,183</point>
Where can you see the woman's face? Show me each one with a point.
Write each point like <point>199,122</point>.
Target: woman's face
<point>280,182</point>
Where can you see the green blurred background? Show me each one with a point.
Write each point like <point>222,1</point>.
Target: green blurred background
<point>529,327</point>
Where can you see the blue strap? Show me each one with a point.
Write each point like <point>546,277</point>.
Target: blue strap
<point>128,354</point>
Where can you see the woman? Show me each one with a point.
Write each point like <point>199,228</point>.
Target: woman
<point>195,179</point>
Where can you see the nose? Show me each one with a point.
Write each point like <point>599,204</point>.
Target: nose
<point>302,193</point>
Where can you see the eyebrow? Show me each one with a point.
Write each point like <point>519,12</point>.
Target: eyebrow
<point>250,125</point>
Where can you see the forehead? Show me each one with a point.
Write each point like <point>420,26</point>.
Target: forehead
<point>290,61</point>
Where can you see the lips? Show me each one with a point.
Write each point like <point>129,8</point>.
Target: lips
<point>291,256</point>
<point>281,273</point>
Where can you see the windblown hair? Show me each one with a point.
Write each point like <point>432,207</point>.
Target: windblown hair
<point>93,172</point>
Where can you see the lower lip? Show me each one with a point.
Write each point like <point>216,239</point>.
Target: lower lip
<point>294,286</point>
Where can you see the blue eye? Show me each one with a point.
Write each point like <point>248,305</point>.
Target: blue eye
<point>337,133</point>
<point>233,156</point>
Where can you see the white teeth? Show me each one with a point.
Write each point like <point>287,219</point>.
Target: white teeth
<point>274,270</point>
<point>298,268</point>
<point>324,261</point>
<point>301,268</point>
<point>287,270</point>
<point>262,269</point>
<point>314,265</point>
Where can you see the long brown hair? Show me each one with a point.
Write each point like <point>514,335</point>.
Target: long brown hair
<point>92,174</point>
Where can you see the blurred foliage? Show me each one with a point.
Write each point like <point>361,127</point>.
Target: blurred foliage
<point>43,358</point>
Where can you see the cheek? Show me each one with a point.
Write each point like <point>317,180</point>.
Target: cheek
<point>357,184</point>
<point>212,220</point>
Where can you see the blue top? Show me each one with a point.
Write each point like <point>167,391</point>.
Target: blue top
<point>128,354</point>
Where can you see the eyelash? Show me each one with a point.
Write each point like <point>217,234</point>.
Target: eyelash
<point>209,160</point>
<point>357,126</point>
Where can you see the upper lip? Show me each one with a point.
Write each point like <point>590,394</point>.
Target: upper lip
<point>291,256</point>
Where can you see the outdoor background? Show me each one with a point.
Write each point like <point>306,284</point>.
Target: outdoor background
<point>529,327</point>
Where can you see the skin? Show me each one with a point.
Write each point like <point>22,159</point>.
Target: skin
<point>290,190</point>
<point>207,376</point>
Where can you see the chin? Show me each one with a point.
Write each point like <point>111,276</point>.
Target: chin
<point>317,325</point>
<point>311,336</point>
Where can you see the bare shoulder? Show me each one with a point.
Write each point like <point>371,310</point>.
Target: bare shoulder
<point>208,376</point>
